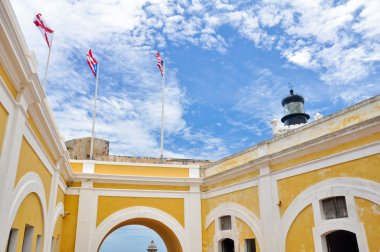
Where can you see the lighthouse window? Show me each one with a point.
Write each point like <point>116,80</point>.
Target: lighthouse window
<point>293,107</point>
<point>334,208</point>
<point>225,222</point>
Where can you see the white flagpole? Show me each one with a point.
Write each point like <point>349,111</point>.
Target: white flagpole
<point>162,115</point>
<point>47,63</point>
<point>94,114</point>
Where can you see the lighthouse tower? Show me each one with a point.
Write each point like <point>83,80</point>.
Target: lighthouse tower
<point>152,247</point>
<point>294,109</point>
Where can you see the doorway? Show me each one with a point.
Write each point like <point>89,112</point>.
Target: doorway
<point>228,245</point>
<point>342,241</point>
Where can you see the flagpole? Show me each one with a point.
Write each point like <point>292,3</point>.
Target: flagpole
<point>47,63</point>
<point>94,114</point>
<point>162,116</point>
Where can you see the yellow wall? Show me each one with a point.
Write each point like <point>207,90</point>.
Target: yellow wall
<point>248,198</point>
<point>245,233</point>
<point>231,181</point>
<point>69,225</point>
<point>141,187</point>
<point>29,162</point>
<point>365,168</point>
<point>208,238</point>
<point>30,212</point>
<point>60,196</point>
<point>327,152</point>
<point>108,205</point>
<point>151,171</point>
<point>8,82</point>
<point>300,234</point>
<point>369,215</point>
<point>77,167</point>
<point>3,124</point>
<point>41,139</point>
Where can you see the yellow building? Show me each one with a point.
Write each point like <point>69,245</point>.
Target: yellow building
<point>309,189</point>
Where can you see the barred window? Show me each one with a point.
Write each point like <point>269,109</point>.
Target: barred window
<point>225,222</point>
<point>334,208</point>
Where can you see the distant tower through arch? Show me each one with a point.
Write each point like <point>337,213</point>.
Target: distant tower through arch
<point>152,247</point>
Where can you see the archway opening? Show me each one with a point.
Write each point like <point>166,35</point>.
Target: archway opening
<point>132,238</point>
<point>169,238</point>
<point>341,241</point>
<point>228,245</point>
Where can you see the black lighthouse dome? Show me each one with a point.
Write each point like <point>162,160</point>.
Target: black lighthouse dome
<point>294,109</point>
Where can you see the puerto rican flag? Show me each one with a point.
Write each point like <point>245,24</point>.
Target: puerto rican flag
<point>44,29</point>
<point>92,63</point>
<point>160,63</point>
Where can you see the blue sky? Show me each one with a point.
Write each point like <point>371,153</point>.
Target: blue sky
<point>130,239</point>
<point>228,67</point>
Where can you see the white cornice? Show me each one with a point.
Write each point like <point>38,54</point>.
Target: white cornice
<point>137,180</point>
<point>134,164</point>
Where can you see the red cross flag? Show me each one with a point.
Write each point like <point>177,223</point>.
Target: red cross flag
<point>44,29</point>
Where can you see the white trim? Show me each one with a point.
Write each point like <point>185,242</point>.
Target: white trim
<point>131,193</point>
<point>230,188</point>
<point>29,183</point>
<point>135,164</point>
<point>88,167</point>
<point>59,210</point>
<point>138,212</point>
<point>348,187</point>
<point>338,158</point>
<point>235,211</point>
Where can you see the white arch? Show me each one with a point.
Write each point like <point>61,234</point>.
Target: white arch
<point>349,187</point>
<point>59,210</point>
<point>29,183</point>
<point>139,212</point>
<point>242,213</point>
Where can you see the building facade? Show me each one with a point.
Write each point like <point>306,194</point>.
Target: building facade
<point>310,189</point>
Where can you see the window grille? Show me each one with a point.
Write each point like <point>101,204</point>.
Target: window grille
<point>225,222</point>
<point>334,208</point>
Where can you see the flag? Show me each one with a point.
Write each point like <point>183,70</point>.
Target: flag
<point>44,29</point>
<point>92,63</point>
<point>160,63</point>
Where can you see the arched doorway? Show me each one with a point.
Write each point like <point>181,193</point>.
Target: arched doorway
<point>341,241</point>
<point>228,245</point>
<point>132,238</point>
<point>168,236</point>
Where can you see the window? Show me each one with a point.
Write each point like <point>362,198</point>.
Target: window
<point>12,240</point>
<point>334,208</point>
<point>250,245</point>
<point>38,243</point>
<point>28,238</point>
<point>225,222</point>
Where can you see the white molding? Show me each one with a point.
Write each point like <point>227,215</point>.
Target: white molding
<point>230,188</point>
<point>131,193</point>
<point>348,187</point>
<point>88,167</point>
<point>29,183</point>
<point>338,158</point>
<point>59,210</point>
<point>135,164</point>
<point>138,212</point>
<point>235,211</point>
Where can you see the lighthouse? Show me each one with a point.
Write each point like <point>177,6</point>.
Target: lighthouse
<point>152,247</point>
<point>294,112</point>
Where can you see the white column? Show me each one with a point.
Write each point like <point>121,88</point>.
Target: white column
<point>193,219</point>
<point>269,212</point>
<point>9,163</point>
<point>87,211</point>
